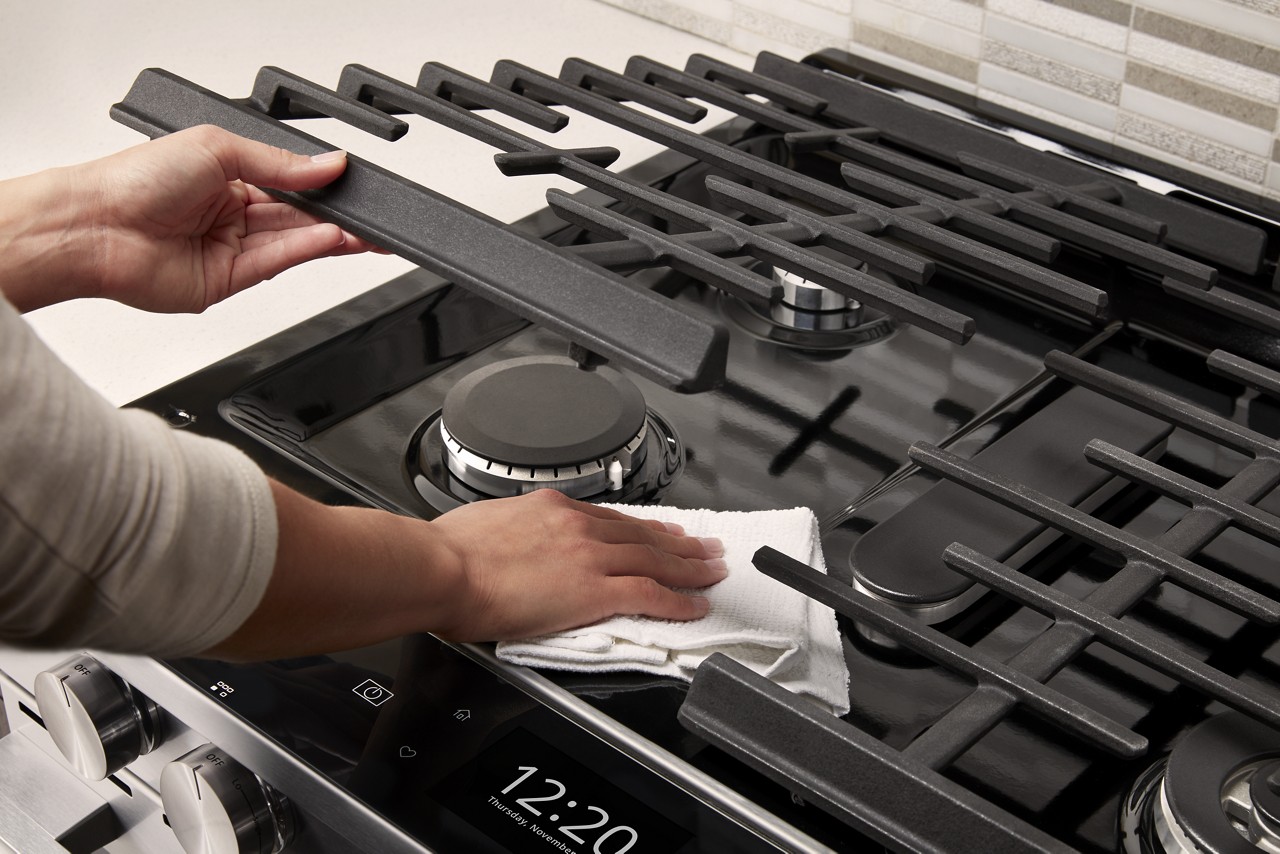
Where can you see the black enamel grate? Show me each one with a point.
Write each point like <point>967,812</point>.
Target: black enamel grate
<point>995,221</point>
<point>735,708</point>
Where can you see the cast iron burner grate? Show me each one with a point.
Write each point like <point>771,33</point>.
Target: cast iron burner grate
<point>869,784</point>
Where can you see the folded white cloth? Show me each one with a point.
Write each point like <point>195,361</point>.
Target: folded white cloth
<point>760,623</point>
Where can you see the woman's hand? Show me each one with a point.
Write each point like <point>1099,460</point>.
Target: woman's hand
<point>543,562</point>
<point>494,570</point>
<point>172,225</point>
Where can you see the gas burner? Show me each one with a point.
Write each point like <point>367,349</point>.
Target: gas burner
<point>1218,792</point>
<point>809,317</point>
<point>808,305</point>
<point>545,422</point>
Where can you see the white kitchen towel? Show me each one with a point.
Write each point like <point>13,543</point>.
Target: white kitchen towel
<point>755,620</point>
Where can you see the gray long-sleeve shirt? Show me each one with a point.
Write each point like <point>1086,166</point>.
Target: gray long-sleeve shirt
<point>117,532</point>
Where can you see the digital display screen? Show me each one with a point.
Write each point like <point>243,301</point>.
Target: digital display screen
<point>529,796</point>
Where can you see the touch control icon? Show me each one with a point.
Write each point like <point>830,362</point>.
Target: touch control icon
<point>372,692</point>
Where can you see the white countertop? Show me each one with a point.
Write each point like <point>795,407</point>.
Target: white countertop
<point>64,64</point>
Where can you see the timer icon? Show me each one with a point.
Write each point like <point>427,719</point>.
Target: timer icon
<point>372,692</point>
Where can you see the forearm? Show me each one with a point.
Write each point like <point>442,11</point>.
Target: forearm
<point>45,239</point>
<point>494,570</point>
<point>347,577</point>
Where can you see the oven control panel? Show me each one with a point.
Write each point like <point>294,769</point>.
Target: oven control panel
<point>461,758</point>
<point>440,756</point>
<point>88,762</point>
<point>81,756</point>
<point>212,803</point>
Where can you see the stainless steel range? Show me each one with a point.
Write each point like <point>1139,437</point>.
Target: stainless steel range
<point>1029,383</point>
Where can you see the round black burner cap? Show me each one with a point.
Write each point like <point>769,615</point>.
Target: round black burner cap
<point>543,411</point>
<point>1199,768</point>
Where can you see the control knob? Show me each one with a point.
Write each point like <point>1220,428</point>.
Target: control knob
<point>98,722</point>
<point>215,805</point>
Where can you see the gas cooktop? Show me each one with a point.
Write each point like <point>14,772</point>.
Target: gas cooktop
<point>1030,391</point>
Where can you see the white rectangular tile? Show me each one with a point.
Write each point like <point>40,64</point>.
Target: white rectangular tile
<point>721,10</point>
<point>955,12</point>
<point>806,38</point>
<point>1181,115</point>
<point>844,7</point>
<point>752,43</point>
<point>1066,22</point>
<point>1266,7</point>
<point>922,71</point>
<point>1204,68</point>
<point>800,13</point>
<point>1040,112</point>
<point>1107,63</point>
<point>1070,104</point>
<point>913,25</point>
<point>1273,179</point>
<point>1231,18</point>
<point>681,17</point>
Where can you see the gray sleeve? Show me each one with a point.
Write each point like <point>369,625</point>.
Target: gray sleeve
<point>116,531</point>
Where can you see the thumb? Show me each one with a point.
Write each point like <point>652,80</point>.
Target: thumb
<point>267,166</point>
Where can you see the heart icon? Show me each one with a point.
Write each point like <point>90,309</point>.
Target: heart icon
<point>407,752</point>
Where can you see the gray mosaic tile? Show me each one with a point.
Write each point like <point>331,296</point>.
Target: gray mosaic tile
<point>1050,45</point>
<point>958,13</point>
<point>845,6</point>
<point>1269,7</point>
<point>1064,21</point>
<point>1058,73</point>
<point>800,13</point>
<point>993,78</point>
<point>1052,116</point>
<point>1209,98</point>
<point>918,52</point>
<point>782,30</point>
<point>1205,68</point>
<point>679,17</point>
<point>1208,41</point>
<point>1108,10</point>
<point>1223,16</point>
<point>1198,151</point>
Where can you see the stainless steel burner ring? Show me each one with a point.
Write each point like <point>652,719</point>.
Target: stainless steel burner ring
<point>592,477</point>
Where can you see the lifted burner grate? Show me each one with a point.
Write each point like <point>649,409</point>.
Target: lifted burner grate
<point>977,223</point>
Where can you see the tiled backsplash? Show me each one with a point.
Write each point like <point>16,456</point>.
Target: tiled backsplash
<point>1194,82</point>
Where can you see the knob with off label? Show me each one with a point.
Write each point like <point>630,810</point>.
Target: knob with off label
<point>98,722</point>
<point>217,806</point>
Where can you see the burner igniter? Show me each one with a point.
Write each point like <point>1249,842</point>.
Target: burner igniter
<point>808,305</point>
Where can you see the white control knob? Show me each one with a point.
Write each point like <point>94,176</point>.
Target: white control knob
<point>94,717</point>
<point>217,806</point>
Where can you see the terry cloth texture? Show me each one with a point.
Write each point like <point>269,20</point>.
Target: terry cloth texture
<point>755,620</point>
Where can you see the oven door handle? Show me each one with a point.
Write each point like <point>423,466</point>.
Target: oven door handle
<point>591,307</point>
